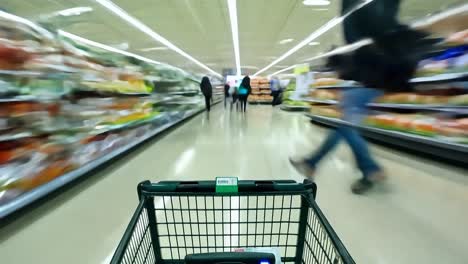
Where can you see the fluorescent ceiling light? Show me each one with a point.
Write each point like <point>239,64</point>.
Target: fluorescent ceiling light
<point>232,6</point>
<point>155,48</point>
<point>327,26</point>
<point>456,11</point>
<point>103,46</point>
<point>249,67</point>
<point>283,70</point>
<point>316,2</point>
<point>26,22</point>
<point>148,31</point>
<point>285,41</point>
<point>320,9</point>
<point>121,46</point>
<point>343,49</point>
<point>314,43</point>
<point>75,11</point>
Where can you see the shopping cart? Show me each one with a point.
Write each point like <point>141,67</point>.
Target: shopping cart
<point>176,219</point>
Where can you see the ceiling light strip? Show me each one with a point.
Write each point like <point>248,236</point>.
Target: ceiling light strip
<point>148,31</point>
<point>327,26</point>
<point>104,47</point>
<point>232,6</point>
<point>283,70</point>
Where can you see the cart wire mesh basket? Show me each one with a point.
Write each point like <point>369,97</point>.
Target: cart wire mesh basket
<point>175,219</point>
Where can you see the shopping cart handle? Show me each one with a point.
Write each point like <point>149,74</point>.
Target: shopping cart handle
<point>244,186</point>
<point>230,258</point>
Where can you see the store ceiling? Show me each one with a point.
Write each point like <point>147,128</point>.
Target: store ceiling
<point>202,27</point>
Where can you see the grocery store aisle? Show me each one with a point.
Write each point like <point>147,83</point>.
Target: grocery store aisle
<point>420,216</point>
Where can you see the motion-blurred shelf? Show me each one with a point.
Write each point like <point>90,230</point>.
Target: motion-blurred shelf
<point>433,146</point>
<point>45,189</point>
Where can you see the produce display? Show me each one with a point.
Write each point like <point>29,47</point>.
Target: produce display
<point>287,95</point>
<point>64,105</point>
<point>261,92</point>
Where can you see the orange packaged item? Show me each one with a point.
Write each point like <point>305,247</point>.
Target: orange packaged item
<point>48,173</point>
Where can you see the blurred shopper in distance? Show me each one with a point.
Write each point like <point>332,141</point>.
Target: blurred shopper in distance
<point>207,90</point>
<point>243,92</point>
<point>275,88</point>
<point>226,94</point>
<point>233,96</point>
<point>388,63</point>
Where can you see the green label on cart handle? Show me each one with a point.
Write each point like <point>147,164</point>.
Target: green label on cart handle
<point>226,184</point>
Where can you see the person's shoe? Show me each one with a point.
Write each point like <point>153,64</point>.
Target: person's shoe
<point>363,185</point>
<point>303,168</point>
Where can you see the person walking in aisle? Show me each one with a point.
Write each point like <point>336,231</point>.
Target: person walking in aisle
<point>207,91</point>
<point>275,88</point>
<point>232,96</point>
<point>227,97</point>
<point>243,92</point>
<point>388,63</point>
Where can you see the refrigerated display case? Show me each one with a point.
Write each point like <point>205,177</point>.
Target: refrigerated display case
<point>67,108</point>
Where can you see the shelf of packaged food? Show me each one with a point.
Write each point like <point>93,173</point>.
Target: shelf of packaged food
<point>185,93</point>
<point>319,101</point>
<point>444,77</point>
<point>439,78</point>
<point>429,145</point>
<point>39,75</point>
<point>260,102</point>
<point>261,93</point>
<point>47,188</point>
<point>422,107</point>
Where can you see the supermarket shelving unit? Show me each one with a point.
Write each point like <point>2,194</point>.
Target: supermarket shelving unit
<point>291,108</point>
<point>436,148</point>
<point>175,100</point>
<point>45,189</point>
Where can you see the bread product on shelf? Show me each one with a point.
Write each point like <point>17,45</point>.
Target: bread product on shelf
<point>327,82</point>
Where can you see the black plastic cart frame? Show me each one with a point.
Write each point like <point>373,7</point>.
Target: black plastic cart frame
<point>174,219</point>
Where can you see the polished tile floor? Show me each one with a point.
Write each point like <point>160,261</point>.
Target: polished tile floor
<point>419,216</point>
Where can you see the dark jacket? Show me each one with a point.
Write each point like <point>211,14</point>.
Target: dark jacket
<point>388,63</point>
<point>246,84</point>
<point>205,87</point>
<point>226,90</point>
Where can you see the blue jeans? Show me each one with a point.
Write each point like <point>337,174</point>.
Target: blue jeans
<point>353,106</point>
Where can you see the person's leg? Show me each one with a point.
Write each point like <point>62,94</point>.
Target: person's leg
<point>307,166</point>
<point>361,152</point>
<point>328,145</point>
<point>207,103</point>
<point>354,110</point>
<point>245,103</point>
